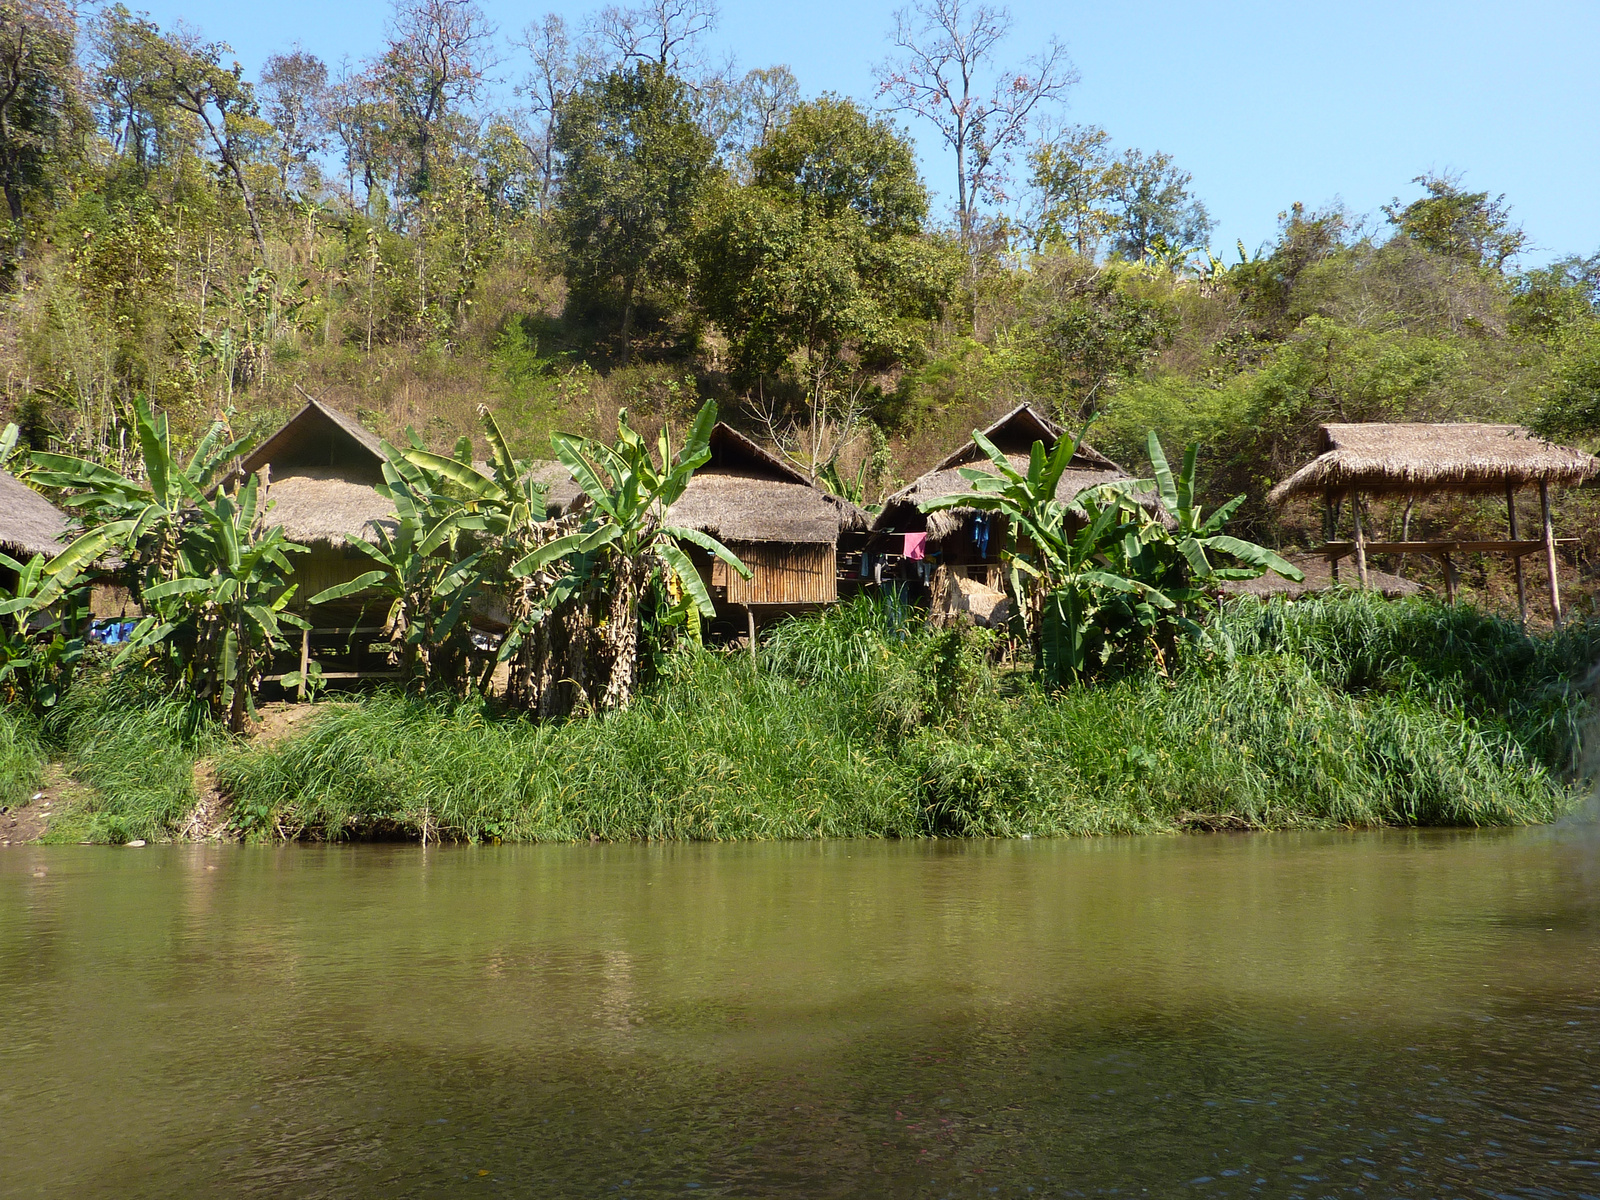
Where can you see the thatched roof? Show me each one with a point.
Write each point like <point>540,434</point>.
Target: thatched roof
<point>321,469</point>
<point>1319,578</point>
<point>319,436</point>
<point>320,505</point>
<point>1013,434</point>
<point>29,524</point>
<point>743,494</point>
<point>1416,459</point>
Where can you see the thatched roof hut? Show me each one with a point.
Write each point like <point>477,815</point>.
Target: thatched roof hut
<point>780,524</point>
<point>322,474</point>
<point>1013,435</point>
<point>29,524</point>
<point>1415,459</point>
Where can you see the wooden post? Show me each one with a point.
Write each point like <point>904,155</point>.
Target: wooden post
<point>1361,539</point>
<point>1550,553</point>
<point>750,624</point>
<point>1449,578</point>
<point>1405,534</point>
<point>1330,529</point>
<point>305,663</point>
<point>1511,515</point>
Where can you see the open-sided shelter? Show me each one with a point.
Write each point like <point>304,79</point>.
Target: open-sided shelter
<point>912,546</point>
<point>1412,460</point>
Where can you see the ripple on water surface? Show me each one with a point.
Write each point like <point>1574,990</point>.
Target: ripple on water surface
<point>1285,1015</point>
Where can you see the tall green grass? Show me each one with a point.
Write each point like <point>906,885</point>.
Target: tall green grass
<point>1343,711</point>
<point>135,747</point>
<point>22,758</point>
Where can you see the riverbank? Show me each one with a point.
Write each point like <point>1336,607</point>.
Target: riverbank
<point>1341,711</point>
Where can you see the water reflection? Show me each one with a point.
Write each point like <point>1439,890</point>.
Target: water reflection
<point>1361,1014</point>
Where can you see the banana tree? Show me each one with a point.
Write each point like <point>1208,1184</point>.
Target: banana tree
<point>622,548</point>
<point>1179,549</point>
<point>502,511</point>
<point>1099,578</point>
<point>1059,564</point>
<point>425,584</point>
<point>42,620</point>
<point>202,562</point>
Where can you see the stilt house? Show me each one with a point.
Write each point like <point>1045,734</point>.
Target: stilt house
<point>781,525</point>
<point>935,555</point>
<point>320,473</point>
<point>1413,460</point>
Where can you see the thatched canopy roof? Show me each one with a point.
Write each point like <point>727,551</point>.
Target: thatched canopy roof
<point>322,469</point>
<point>29,524</point>
<point>320,505</point>
<point>743,494</point>
<point>1014,435</point>
<point>1416,459</point>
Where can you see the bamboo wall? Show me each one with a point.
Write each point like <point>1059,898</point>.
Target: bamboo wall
<point>780,573</point>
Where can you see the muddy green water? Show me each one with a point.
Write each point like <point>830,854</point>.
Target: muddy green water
<point>1288,1015</point>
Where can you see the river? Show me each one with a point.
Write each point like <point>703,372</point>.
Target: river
<point>1365,1014</point>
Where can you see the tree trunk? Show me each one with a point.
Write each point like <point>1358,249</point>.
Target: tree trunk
<point>627,322</point>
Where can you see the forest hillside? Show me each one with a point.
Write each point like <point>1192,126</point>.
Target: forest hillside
<point>635,229</point>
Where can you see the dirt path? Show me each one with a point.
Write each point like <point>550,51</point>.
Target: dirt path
<point>28,822</point>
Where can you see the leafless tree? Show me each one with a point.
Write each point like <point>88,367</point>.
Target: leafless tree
<point>666,32</point>
<point>946,51</point>
<point>438,59</point>
<point>814,438</point>
<point>557,67</point>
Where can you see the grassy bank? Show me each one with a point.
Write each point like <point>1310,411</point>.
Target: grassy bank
<point>1343,711</point>
<point>134,748</point>
<point>1339,711</point>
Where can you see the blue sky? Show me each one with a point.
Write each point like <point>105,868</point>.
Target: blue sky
<point>1265,103</point>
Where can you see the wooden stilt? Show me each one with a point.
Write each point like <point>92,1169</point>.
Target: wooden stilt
<point>750,624</point>
<point>305,663</point>
<point>1449,578</point>
<point>1550,553</point>
<point>1516,559</point>
<point>1361,538</point>
<point>1405,534</point>
<point>1330,530</point>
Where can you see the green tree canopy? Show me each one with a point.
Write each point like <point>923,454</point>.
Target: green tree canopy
<point>821,263</point>
<point>634,164</point>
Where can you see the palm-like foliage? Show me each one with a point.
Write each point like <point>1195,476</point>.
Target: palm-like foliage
<point>201,561</point>
<point>41,629</point>
<point>622,548</point>
<point>1095,583</point>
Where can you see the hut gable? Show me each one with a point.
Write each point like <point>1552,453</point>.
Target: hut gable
<point>1415,459</point>
<point>29,524</point>
<point>320,437</point>
<point>1013,435</point>
<point>322,472</point>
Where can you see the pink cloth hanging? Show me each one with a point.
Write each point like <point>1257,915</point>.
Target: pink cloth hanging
<point>916,544</point>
